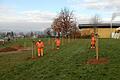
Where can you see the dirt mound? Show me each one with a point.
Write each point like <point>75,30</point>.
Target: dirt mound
<point>8,49</point>
<point>12,48</point>
<point>99,61</point>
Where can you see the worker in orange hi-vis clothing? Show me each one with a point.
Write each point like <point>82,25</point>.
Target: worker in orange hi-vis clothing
<point>40,46</point>
<point>57,42</point>
<point>93,41</point>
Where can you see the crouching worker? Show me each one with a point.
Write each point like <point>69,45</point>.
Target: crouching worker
<point>57,42</point>
<point>93,41</point>
<point>40,48</point>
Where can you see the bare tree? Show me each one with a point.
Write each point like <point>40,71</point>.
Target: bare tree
<point>65,22</point>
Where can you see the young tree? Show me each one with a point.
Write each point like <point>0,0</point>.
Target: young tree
<point>96,21</point>
<point>47,32</point>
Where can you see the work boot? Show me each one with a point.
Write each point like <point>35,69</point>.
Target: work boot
<point>38,55</point>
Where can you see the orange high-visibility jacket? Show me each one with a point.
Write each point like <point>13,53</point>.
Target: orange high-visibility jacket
<point>40,44</point>
<point>93,40</point>
<point>57,42</point>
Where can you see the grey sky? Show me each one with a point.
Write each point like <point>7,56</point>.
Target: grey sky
<point>34,15</point>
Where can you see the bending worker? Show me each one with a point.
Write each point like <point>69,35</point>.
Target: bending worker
<point>57,42</point>
<point>93,41</point>
<point>40,48</point>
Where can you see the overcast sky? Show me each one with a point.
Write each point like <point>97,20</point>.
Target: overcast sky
<point>35,15</point>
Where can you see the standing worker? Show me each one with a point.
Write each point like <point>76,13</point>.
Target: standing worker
<point>93,41</point>
<point>57,42</point>
<point>40,46</point>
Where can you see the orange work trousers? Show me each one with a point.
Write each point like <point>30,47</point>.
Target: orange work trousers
<point>40,52</point>
<point>92,44</point>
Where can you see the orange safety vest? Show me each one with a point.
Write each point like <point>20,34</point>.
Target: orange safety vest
<point>40,44</point>
<point>57,42</point>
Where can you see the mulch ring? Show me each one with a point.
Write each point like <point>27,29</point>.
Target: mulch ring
<point>12,48</point>
<point>101,60</point>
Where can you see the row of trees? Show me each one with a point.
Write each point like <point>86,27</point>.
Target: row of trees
<point>66,25</point>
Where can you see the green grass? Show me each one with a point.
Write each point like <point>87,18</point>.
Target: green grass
<point>68,63</point>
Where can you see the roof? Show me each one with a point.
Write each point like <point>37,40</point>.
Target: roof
<point>101,25</point>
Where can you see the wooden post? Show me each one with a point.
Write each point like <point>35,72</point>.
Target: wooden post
<point>97,51</point>
<point>49,41</point>
<point>32,49</point>
<point>62,41</point>
<point>53,41</point>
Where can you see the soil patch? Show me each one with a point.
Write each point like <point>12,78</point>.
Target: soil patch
<point>11,48</point>
<point>8,49</point>
<point>99,61</point>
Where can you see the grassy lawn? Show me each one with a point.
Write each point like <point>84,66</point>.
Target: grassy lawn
<point>68,63</point>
